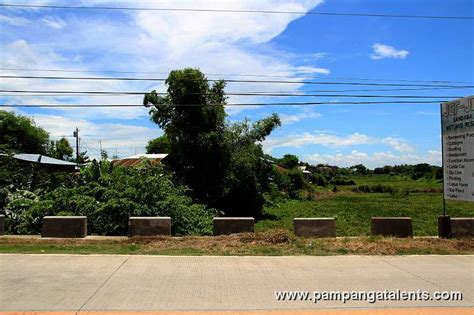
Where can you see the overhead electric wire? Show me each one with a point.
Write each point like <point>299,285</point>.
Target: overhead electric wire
<point>445,17</point>
<point>230,81</point>
<point>233,75</point>
<point>230,104</point>
<point>108,93</point>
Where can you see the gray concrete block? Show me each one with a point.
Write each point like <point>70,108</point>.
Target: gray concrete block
<point>64,226</point>
<point>462,227</point>
<point>149,226</point>
<point>229,225</point>
<point>392,226</point>
<point>315,227</point>
<point>2,224</point>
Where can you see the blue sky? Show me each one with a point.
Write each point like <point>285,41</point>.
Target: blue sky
<point>319,48</point>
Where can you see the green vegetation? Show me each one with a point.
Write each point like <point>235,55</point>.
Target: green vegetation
<point>159,145</point>
<point>214,167</point>
<point>108,196</point>
<point>354,210</point>
<point>221,162</point>
<point>19,134</point>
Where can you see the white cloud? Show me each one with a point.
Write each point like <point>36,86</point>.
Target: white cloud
<point>385,51</point>
<point>398,144</point>
<point>289,119</point>
<point>54,22</point>
<point>13,20</point>
<point>330,140</point>
<point>124,139</point>
<point>150,41</point>
<point>376,159</point>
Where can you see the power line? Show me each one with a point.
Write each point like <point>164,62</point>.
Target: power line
<point>231,104</point>
<point>108,93</point>
<point>444,17</point>
<point>259,92</point>
<point>232,75</point>
<point>230,81</point>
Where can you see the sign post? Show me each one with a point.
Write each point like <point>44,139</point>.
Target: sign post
<point>457,142</point>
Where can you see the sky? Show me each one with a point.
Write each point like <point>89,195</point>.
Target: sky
<point>247,46</point>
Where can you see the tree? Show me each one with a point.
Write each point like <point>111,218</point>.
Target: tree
<point>222,163</point>
<point>83,158</point>
<point>20,135</point>
<point>360,169</point>
<point>249,172</point>
<point>289,161</point>
<point>193,118</point>
<point>104,155</point>
<point>159,145</point>
<point>61,149</point>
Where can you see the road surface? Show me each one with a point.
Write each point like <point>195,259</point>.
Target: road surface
<point>101,283</point>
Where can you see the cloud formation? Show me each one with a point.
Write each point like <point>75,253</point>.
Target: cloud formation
<point>376,159</point>
<point>381,51</point>
<point>335,141</point>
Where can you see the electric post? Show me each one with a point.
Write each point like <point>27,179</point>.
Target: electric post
<point>76,135</point>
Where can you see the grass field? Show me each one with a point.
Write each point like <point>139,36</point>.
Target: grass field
<point>419,199</point>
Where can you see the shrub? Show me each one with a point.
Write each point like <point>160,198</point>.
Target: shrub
<point>341,181</point>
<point>108,196</point>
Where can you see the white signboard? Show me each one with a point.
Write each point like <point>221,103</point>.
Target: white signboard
<point>457,131</point>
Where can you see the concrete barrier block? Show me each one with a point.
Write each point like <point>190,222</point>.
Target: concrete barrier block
<point>64,226</point>
<point>444,226</point>
<point>462,227</point>
<point>149,226</point>
<point>392,226</point>
<point>2,224</point>
<point>315,227</point>
<point>229,225</point>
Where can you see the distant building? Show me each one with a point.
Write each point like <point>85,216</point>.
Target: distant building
<point>45,163</point>
<point>304,170</point>
<point>138,158</point>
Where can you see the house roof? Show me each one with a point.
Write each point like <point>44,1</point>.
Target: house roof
<point>137,158</point>
<point>160,156</point>
<point>35,158</point>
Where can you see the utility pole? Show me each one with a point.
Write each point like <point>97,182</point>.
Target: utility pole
<point>76,135</point>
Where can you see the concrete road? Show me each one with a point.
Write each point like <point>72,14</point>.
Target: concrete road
<point>77,283</point>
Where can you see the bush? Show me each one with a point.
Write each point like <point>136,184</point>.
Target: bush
<point>375,189</point>
<point>319,179</point>
<point>341,181</point>
<point>108,196</point>
<point>290,182</point>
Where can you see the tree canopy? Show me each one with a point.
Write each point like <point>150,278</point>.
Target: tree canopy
<point>222,163</point>
<point>19,134</point>
<point>61,149</point>
<point>159,145</point>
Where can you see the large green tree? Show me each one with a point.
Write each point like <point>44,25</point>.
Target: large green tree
<point>159,145</point>
<point>193,118</point>
<point>19,134</point>
<point>222,163</point>
<point>61,149</point>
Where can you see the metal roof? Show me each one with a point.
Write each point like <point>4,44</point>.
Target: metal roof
<point>160,156</point>
<point>44,159</point>
<point>138,159</point>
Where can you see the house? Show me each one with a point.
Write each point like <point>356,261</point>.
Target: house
<point>44,162</point>
<point>138,158</point>
<point>304,170</point>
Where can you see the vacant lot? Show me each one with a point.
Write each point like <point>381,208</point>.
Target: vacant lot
<point>420,199</point>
